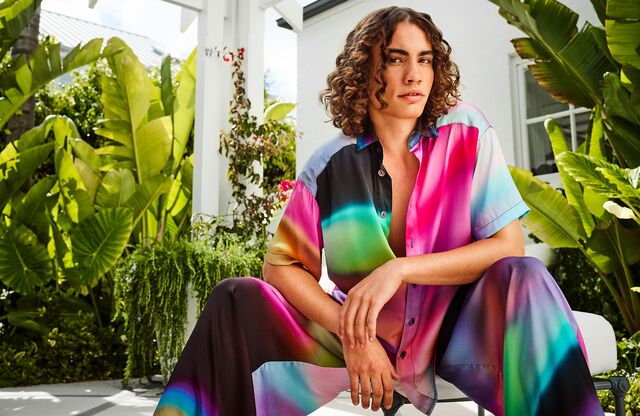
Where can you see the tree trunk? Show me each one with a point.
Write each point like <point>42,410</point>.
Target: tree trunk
<point>27,42</point>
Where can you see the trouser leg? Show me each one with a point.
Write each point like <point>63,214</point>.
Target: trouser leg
<point>252,353</point>
<point>515,347</point>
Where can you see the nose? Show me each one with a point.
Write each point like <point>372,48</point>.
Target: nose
<point>412,74</point>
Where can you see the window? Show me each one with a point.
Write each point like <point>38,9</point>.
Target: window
<point>534,106</point>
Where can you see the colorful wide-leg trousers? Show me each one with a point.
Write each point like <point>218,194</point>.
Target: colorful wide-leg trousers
<point>509,341</point>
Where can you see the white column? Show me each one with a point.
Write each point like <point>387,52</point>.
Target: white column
<point>208,117</point>
<point>250,36</point>
<point>210,77</point>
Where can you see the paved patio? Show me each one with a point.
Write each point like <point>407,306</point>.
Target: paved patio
<point>107,398</point>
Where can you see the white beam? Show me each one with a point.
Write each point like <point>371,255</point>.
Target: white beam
<point>195,5</point>
<point>291,12</point>
<point>186,19</point>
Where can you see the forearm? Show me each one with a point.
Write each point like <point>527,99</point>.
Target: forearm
<point>302,290</point>
<point>463,264</point>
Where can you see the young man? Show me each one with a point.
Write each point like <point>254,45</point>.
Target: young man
<point>417,215</point>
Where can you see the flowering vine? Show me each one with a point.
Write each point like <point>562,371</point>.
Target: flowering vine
<point>246,145</point>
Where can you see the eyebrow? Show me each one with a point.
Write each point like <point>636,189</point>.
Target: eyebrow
<point>403,52</point>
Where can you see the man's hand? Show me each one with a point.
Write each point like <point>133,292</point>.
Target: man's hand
<point>359,313</point>
<point>370,371</point>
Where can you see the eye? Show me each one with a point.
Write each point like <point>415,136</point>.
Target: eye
<point>394,59</point>
<point>425,60</point>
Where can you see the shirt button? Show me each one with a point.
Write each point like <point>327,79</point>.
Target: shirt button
<point>413,285</point>
<point>403,354</point>
<point>412,321</point>
<point>381,173</point>
<point>383,214</point>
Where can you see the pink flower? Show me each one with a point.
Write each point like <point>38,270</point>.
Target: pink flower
<point>285,188</point>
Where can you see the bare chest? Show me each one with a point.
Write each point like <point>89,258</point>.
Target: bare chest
<point>403,176</point>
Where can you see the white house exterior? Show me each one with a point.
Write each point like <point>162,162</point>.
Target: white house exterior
<point>492,76</point>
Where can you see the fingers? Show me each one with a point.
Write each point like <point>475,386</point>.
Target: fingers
<point>377,387</point>
<point>348,322</point>
<point>371,323</point>
<point>354,387</point>
<point>365,390</point>
<point>360,327</point>
<point>387,385</point>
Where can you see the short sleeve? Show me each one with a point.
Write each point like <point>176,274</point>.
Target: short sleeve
<point>298,238</point>
<point>495,200</point>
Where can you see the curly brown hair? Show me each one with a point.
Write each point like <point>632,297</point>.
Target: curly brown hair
<point>347,96</point>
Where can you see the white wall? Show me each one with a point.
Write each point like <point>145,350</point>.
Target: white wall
<point>480,39</point>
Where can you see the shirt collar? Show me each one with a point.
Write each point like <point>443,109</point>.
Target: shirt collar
<point>422,131</point>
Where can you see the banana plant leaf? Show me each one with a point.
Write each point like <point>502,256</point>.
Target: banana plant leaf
<point>17,171</point>
<point>146,194</point>
<point>278,111</point>
<point>569,63</point>
<point>116,188</point>
<point>623,31</point>
<point>183,109</point>
<point>551,219</point>
<point>75,201</point>
<point>601,247</point>
<point>24,77</point>
<point>166,85</point>
<point>135,124</point>
<point>603,177</point>
<point>572,189</point>
<point>25,262</point>
<point>30,211</point>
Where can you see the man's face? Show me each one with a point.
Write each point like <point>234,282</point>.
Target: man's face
<point>409,74</point>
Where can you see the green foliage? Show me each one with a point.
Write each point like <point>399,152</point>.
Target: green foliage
<point>15,15</point>
<point>282,164</point>
<point>631,400</point>
<point>629,362</point>
<point>54,336</point>
<point>151,285</point>
<point>583,287</point>
<point>23,77</point>
<point>79,100</point>
<point>600,69</point>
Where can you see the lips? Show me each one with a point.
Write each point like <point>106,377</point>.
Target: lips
<point>412,93</point>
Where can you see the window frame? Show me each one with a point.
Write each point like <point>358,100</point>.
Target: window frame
<point>519,67</point>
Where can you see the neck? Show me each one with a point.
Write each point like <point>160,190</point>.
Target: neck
<point>393,133</point>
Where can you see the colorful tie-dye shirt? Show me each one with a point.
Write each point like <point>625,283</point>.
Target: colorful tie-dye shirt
<point>341,205</point>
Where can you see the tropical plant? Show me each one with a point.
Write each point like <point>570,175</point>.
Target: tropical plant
<point>598,68</point>
<point>147,129</point>
<point>72,225</point>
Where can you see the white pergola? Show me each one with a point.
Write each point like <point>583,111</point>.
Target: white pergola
<point>234,24</point>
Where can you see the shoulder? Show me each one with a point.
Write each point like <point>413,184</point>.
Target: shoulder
<point>320,158</point>
<point>465,114</point>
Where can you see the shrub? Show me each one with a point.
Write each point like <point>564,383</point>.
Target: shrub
<point>75,350</point>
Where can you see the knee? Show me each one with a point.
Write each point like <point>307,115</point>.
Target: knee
<point>230,289</point>
<point>513,268</point>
